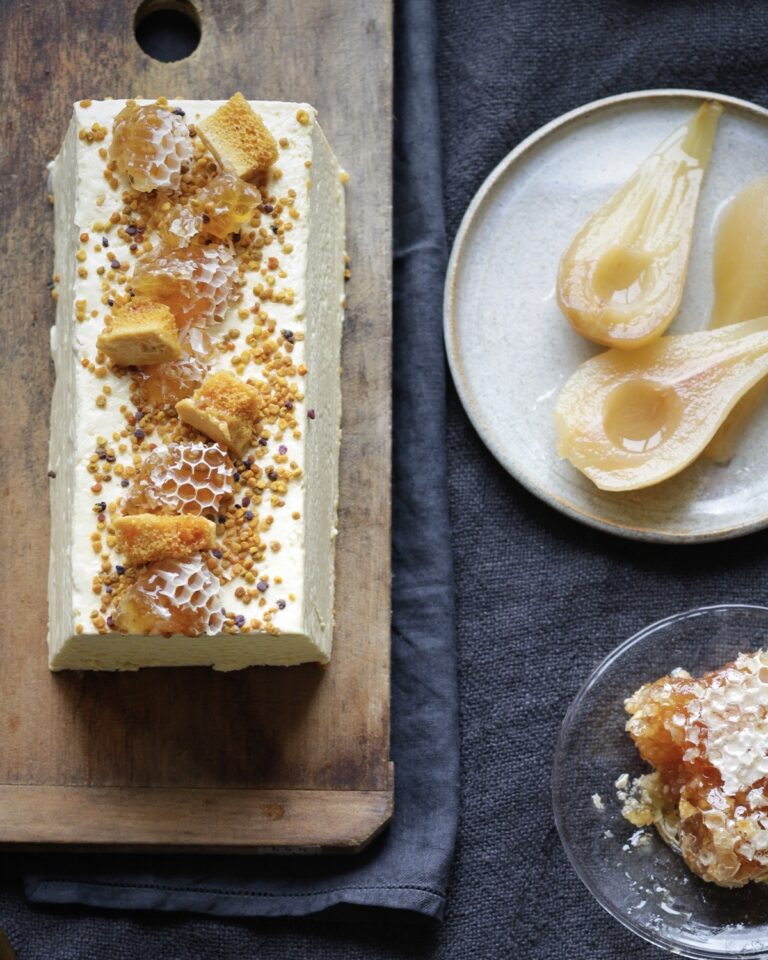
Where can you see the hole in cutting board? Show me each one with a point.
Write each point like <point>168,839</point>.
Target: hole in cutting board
<point>167,30</point>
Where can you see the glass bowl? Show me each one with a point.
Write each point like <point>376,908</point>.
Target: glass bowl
<point>632,873</point>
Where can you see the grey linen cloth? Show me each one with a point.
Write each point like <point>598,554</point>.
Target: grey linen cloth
<point>540,599</point>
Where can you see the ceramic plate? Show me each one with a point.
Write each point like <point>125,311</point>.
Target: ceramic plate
<point>510,349</point>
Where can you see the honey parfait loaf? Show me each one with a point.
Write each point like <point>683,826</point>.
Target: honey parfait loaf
<point>195,424</point>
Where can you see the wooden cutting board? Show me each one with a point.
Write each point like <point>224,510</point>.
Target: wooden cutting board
<point>187,758</point>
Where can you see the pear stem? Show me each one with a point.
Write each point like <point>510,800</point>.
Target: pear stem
<point>701,131</point>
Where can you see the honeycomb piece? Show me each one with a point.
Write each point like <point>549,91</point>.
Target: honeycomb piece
<point>237,137</point>
<point>196,282</point>
<point>172,598</point>
<point>217,210</point>
<point>149,145</point>
<point>146,537</point>
<point>708,740</point>
<point>141,333</point>
<point>224,204</point>
<point>182,228</point>
<point>655,710</point>
<point>181,478</point>
<point>165,384</point>
<point>225,409</point>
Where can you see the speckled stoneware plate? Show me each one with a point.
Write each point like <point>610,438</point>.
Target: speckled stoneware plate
<point>511,350</point>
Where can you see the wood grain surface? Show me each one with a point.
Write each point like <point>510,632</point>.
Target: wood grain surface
<point>188,757</point>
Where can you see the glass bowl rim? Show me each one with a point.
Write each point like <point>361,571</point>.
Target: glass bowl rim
<point>581,870</point>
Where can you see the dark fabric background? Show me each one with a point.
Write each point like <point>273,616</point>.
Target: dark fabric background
<point>540,599</point>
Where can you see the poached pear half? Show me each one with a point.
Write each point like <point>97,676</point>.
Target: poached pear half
<point>741,292</point>
<point>621,280</point>
<point>629,420</point>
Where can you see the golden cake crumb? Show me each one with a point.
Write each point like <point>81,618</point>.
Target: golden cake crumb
<point>146,537</point>
<point>238,138</point>
<point>140,333</point>
<point>225,409</point>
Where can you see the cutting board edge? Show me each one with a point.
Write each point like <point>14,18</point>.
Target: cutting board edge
<point>133,819</point>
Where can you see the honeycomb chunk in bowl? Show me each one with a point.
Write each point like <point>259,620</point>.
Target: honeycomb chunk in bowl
<point>633,869</point>
<point>707,739</point>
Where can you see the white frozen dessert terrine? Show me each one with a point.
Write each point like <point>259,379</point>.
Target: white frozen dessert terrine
<point>196,416</point>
